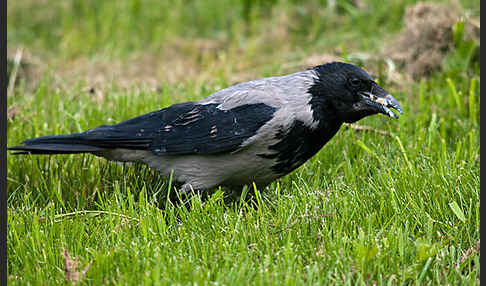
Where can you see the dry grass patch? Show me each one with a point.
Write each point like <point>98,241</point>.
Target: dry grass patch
<point>427,37</point>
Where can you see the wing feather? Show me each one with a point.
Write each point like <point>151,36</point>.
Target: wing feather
<point>206,129</point>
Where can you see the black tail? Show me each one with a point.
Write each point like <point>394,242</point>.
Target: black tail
<point>136,133</point>
<point>61,144</point>
<point>98,139</point>
<point>127,135</point>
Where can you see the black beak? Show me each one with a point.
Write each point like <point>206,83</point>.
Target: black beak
<point>379,100</point>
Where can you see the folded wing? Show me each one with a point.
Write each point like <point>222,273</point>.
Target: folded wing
<point>188,128</point>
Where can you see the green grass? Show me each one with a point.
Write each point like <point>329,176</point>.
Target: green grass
<point>369,208</point>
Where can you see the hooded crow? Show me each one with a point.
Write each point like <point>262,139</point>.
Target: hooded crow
<point>252,132</point>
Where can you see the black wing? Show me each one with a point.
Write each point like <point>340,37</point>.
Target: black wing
<point>205,129</point>
<point>187,128</point>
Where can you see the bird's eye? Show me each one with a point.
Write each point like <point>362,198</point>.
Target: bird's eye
<point>355,82</point>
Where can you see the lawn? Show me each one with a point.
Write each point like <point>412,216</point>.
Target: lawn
<point>386,201</point>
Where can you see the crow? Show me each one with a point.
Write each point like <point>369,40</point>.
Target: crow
<point>251,132</point>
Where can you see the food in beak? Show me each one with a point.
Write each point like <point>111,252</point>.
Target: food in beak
<point>383,104</point>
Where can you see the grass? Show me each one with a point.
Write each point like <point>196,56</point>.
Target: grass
<point>396,207</point>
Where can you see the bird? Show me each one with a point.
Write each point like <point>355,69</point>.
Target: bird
<point>250,133</point>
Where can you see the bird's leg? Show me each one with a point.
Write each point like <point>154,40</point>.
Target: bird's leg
<point>186,189</point>
<point>184,193</point>
<point>246,193</point>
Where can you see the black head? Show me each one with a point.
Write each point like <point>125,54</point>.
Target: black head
<point>350,92</point>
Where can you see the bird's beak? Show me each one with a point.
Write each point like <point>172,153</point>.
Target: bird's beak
<point>379,100</point>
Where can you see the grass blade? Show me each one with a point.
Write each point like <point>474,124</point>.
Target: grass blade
<point>457,211</point>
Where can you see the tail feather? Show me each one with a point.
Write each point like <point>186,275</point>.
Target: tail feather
<point>136,133</point>
<point>43,148</point>
<point>78,143</point>
<point>62,144</point>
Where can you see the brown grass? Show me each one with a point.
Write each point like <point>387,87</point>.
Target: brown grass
<point>426,39</point>
<point>71,268</point>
